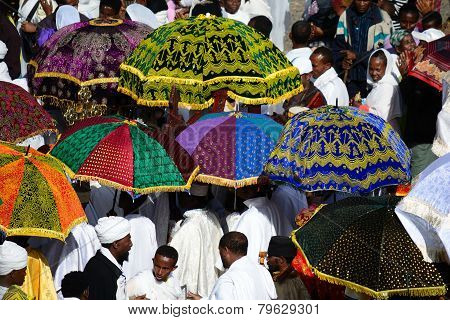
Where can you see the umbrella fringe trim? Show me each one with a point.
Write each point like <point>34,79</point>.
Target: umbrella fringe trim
<point>116,185</point>
<point>416,292</point>
<point>227,182</point>
<point>37,232</point>
<point>174,80</point>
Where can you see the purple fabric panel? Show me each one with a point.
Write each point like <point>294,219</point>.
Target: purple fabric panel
<point>192,135</point>
<point>44,35</point>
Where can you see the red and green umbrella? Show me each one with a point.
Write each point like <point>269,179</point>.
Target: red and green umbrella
<point>125,155</point>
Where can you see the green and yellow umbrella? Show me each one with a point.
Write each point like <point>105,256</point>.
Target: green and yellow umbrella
<point>202,55</point>
<point>37,199</point>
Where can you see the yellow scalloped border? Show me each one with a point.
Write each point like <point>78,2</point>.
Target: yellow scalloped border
<point>227,182</point>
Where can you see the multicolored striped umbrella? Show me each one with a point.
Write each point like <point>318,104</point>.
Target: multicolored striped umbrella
<point>21,116</point>
<point>230,148</point>
<point>36,198</point>
<point>125,155</point>
<point>341,149</point>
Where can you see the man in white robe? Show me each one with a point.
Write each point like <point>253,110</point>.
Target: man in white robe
<point>244,279</point>
<point>326,79</point>
<point>260,222</point>
<point>197,242</point>
<point>158,283</point>
<point>231,9</point>
<point>300,53</point>
<point>143,236</point>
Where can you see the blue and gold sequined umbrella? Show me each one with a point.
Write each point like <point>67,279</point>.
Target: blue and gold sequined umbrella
<point>341,149</point>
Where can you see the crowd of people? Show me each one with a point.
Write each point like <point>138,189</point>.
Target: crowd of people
<point>215,242</point>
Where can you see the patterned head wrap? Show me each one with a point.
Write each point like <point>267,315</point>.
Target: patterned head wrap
<point>397,37</point>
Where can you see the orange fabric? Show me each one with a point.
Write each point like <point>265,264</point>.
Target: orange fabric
<point>11,180</point>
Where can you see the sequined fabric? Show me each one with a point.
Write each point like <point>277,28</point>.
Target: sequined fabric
<point>21,116</point>
<point>201,55</point>
<point>360,243</point>
<point>37,199</point>
<point>230,148</point>
<point>341,149</point>
<point>125,155</point>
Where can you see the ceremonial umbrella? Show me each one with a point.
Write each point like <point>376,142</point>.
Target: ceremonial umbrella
<point>77,69</point>
<point>202,55</point>
<point>360,243</point>
<point>425,211</point>
<point>21,116</point>
<point>342,149</point>
<point>125,155</point>
<point>435,63</point>
<point>37,199</point>
<point>230,148</point>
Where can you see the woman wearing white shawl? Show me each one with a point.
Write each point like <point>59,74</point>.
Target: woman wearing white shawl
<point>384,100</point>
<point>140,13</point>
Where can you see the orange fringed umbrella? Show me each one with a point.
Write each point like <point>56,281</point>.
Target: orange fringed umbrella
<point>36,198</point>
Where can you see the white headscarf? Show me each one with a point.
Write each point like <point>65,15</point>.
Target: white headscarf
<point>66,15</point>
<point>110,229</point>
<point>12,257</point>
<point>389,76</point>
<point>3,50</point>
<point>140,13</point>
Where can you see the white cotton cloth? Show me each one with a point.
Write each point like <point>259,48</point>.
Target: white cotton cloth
<point>332,88</point>
<point>66,15</point>
<point>197,243</point>
<point>259,223</point>
<point>240,15</point>
<point>90,8</point>
<point>143,236</point>
<point>142,14</point>
<point>300,58</point>
<point>121,293</point>
<point>110,229</point>
<point>279,10</point>
<point>34,142</point>
<point>289,201</point>
<point>145,283</point>
<point>384,100</point>
<point>256,8</point>
<point>429,35</point>
<point>12,257</point>
<point>244,280</point>
<point>441,143</point>
<point>3,50</point>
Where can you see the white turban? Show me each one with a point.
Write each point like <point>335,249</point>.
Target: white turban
<point>3,50</point>
<point>12,257</point>
<point>110,229</point>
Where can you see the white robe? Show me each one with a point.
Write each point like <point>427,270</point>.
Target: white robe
<point>240,15</point>
<point>256,8</point>
<point>90,8</point>
<point>289,201</point>
<point>145,283</point>
<point>384,99</point>
<point>143,236</point>
<point>300,58</point>
<point>260,223</point>
<point>441,144</point>
<point>197,243</point>
<point>244,280</point>
<point>4,76</point>
<point>279,10</point>
<point>332,88</point>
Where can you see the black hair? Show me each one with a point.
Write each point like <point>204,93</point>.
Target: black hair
<point>235,241</point>
<point>73,284</point>
<point>432,17</point>
<point>210,6</point>
<point>168,252</point>
<point>325,53</point>
<point>301,32</point>
<point>409,9</point>
<point>113,4</point>
<point>379,54</point>
<point>261,24</point>
<point>157,5</point>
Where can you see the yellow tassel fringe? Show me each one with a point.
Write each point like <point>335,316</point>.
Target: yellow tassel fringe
<point>227,182</point>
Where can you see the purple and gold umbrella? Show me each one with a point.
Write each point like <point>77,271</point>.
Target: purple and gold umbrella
<point>77,69</point>
<point>231,148</point>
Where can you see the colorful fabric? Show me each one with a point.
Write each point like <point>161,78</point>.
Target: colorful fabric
<point>202,55</point>
<point>85,56</point>
<point>435,64</point>
<point>37,198</point>
<point>125,155</point>
<point>21,116</point>
<point>230,148</point>
<point>341,149</point>
<point>360,243</point>
<point>15,293</point>
<point>397,37</point>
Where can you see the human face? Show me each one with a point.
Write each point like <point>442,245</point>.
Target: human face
<point>18,276</point>
<point>273,263</point>
<point>123,247</point>
<point>362,5</point>
<point>377,68</point>
<point>318,66</point>
<point>162,267</point>
<point>408,21</point>
<point>231,6</point>
<point>407,44</point>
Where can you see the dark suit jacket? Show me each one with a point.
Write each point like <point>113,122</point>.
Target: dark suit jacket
<point>10,36</point>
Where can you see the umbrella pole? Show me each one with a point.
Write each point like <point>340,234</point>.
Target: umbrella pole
<point>28,149</point>
<point>235,199</point>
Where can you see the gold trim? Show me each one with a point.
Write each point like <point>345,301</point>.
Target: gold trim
<point>75,80</point>
<point>227,182</point>
<point>416,292</point>
<point>105,22</point>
